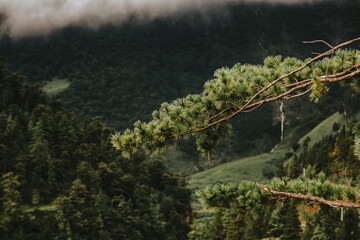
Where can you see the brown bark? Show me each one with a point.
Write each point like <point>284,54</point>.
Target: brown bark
<point>294,87</point>
<point>310,198</point>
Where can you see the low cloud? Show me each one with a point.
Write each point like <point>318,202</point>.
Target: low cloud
<point>21,18</point>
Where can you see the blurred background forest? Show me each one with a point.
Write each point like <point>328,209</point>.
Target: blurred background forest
<point>60,174</point>
<point>123,73</point>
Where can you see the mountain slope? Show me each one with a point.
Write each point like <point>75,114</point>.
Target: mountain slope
<point>61,179</point>
<point>253,168</point>
<point>124,73</point>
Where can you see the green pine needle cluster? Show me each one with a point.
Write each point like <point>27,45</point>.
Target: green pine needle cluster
<point>248,196</point>
<point>232,90</point>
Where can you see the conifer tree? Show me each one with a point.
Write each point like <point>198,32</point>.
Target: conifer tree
<point>217,230</point>
<point>308,231</point>
<point>349,228</point>
<point>276,223</point>
<point>10,200</point>
<point>235,228</point>
<point>62,180</point>
<point>284,222</point>
<point>293,168</point>
<point>322,230</point>
<point>292,228</point>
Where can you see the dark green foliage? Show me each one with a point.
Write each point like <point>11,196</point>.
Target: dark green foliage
<point>248,196</point>
<point>308,231</point>
<point>268,173</point>
<point>293,167</point>
<point>292,229</point>
<point>295,147</point>
<point>336,126</point>
<point>11,200</point>
<point>333,155</point>
<point>326,223</point>
<point>61,179</point>
<point>349,228</point>
<point>280,171</point>
<point>109,197</point>
<point>256,225</point>
<point>321,231</point>
<point>236,224</point>
<point>205,116</point>
<point>217,230</point>
<point>123,73</point>
<point>233,224</point>
<point>284,222</point>
<point>277,222</point>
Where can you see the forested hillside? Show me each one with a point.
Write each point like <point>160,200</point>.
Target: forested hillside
<point>123,73</point>
<point>60,178</point>
<point>73,90</point>
<point>334,156</point>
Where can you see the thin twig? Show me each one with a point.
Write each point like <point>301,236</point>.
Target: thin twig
<point>234,104</point>
<point>338,79</point>
<point>299,95</point>
<point>327,68</point>
<point>344,72</point>
<point>297,83</point>
<point>319,41</point>
<point>216,115</point>
<point>277,80</point>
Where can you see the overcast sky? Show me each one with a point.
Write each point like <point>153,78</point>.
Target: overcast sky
<point>39,17</point>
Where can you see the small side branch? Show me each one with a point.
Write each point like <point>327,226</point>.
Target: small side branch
<point>305,83</point>
<point>218,114</point>
<point>297,83</point>
<point>310,198</point>
<point>338,79</point>
<point>320,41</point>
<point>344,72</point>
<point>299,95</point>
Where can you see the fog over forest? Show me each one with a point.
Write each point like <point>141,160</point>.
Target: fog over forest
<point>40,17</point>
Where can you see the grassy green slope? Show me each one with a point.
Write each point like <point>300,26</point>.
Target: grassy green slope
<point>326,128</point>
<point>56,86</point>
<point>250,168</point>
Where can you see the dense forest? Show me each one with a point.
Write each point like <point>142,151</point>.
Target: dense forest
<point>60,178</point>
<point>123,73</point>
<point>284,220</point>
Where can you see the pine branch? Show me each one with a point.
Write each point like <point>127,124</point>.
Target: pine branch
<point>240,89</point>
<point>252,196</point>
<point>310,198</point>
<point>324,79</point>
<point>320,41</point>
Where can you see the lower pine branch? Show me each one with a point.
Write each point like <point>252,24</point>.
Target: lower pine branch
<point>310,198</point>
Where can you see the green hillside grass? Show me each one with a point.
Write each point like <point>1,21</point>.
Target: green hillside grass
<point>44,208</point>
<point>56,86</point>
<point>251,168</point>
<point>325,128</point>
